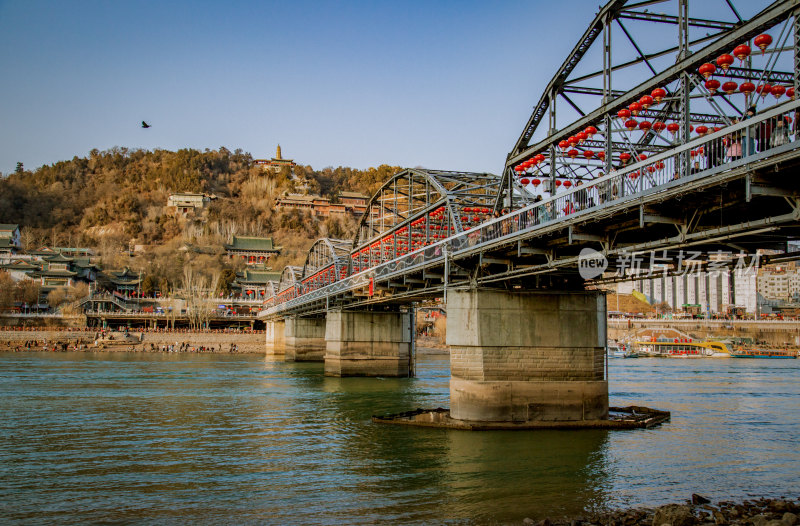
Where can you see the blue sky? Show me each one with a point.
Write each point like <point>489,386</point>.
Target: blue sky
<point>437,84</point>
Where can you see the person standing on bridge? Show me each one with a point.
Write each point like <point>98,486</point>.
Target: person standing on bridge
<point>780,135</point>
<point>750,143</point>
<point>734,140</point>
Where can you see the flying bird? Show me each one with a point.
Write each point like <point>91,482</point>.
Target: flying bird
<point>145,125</point>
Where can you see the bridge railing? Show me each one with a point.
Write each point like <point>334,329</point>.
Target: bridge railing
<point>740,143</point>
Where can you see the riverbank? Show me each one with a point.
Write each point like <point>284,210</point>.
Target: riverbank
<point>60,340</point>
<point>697,511</point>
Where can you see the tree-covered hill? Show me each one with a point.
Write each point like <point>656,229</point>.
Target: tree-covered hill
<point>115,200</point>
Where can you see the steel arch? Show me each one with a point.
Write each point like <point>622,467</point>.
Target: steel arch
<point>671,65</point>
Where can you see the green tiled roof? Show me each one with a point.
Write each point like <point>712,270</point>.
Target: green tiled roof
<point>58,258</point>
<point>258,276</point>
<point>57,273</point>
<point>5,242</point>
<point>20,265</point>
<point>8,226</point>
<point>252,243</point>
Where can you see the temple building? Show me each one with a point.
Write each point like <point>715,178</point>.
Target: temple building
<point>254,250</point>
<point>276,163</point>
<point>10,242</point>
<point>187,202</point>
<point>355,202</point>
<point>350,202</point>
<point>252,283</point>
<point>123,281</point>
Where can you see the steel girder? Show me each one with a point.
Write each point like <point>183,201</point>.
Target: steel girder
<point>290,277</point>
<point>671,78</point>
<point>414,193</point>
<point>325,252</point>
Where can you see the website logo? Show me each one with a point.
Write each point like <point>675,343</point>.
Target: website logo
<point>591,263</point>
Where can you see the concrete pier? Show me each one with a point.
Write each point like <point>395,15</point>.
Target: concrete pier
<point>304,339</point>
<point>366,343</point>
<point>275,337</point>
<point>527,356</point>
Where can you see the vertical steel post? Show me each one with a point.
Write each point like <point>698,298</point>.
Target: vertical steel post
<point>796,28</point>
<point>683,167</point>
<point>607,70</point>
<point>551,130</point>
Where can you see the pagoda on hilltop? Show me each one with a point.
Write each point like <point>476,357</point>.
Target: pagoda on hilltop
<point>276,163</point>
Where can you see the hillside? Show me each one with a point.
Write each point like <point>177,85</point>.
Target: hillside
<point>114,201</point>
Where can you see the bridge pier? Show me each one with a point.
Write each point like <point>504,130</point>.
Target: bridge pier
<point>304,339</point>
<point>527,356</point>
<point>366,343</point>
<point>275,341</point>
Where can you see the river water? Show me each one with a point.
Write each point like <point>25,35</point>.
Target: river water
<point>177,439</point>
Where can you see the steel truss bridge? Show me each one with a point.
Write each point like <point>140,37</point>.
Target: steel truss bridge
<point>652,150</point>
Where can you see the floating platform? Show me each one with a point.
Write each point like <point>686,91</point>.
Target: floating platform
<point>631,417</point>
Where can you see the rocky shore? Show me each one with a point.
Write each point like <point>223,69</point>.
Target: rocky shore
<point>698,511</point>
<point>77,340</point>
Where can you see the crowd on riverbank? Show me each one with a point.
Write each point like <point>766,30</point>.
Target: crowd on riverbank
<point>81,345</point>
<point>17,328</point>
<point>697,511</point>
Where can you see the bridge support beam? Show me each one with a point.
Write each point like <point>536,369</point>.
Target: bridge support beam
<point>304,339</point>
<point>527,356</point>
<point>365,343</point>
<point>275,330</point>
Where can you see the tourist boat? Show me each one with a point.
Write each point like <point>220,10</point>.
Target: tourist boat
<point>682,348</point>
<point>755,352</point>
<point>616,350</point>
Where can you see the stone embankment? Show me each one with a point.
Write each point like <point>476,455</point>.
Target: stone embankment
<point>242,342</point>
<point>697,512</point>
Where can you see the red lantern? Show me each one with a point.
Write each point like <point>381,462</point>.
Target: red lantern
<point>581,136</point>
<point>634,175</point>
<point>590,131</point>
<point>778,91</point>
<point>558,183</point>
<point>642,157</point>
<point>729,87</point>
<point>658,94</point>
<point>742,51</point>
<point>536,182</point>
<point>567,183</point>
<point>635,107</point>
<point>707,69</point>
<point>660,165</point>
<point>563,144</point>
<point>762,89</point>
<point>724,61</point>
<point>645,126</point>
<point>624,113</point>
<point>541,157</point>
<point>748,88</point>
<point>712,85</point>
<point>702,130</point>
<point>624,157</point>
<point>646,101</point>
<point>572,153</point>
<point>572,140</point>
<point>601,155</point>
<point>524,181</point>
<point>762,42</point>
<point>631,124</point>
<point>693,154</point>
<point>651,169</point>
<point>790,93</point>
<point>659,126</point>
<point>588,154</point>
